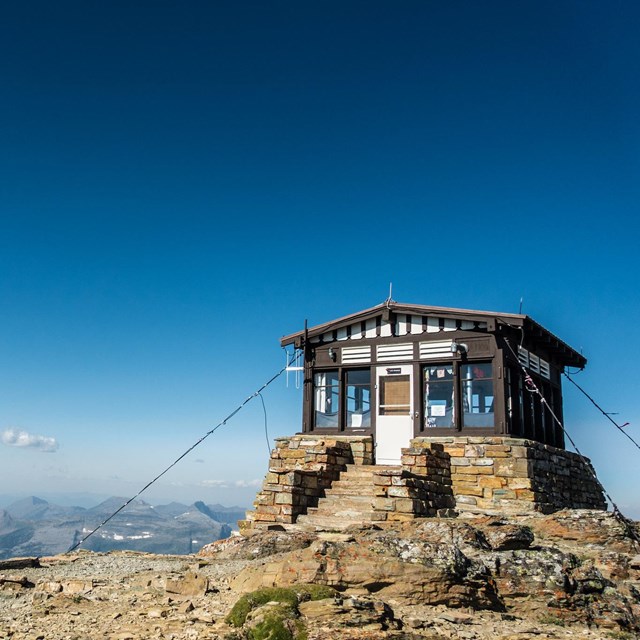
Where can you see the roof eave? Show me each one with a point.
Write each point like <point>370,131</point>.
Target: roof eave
<point>568,355</point>
<point>397,307</point>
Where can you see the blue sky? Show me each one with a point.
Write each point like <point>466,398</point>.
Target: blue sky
<point>183,183</point>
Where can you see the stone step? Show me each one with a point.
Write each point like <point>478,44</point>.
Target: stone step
<point>346,499</point>
<point>346,483</point>
<point>346,476</point>
<point>356,471</point>
<point>352,506</point>
<point>349,501</point>
<point>346,512</point>
<point>351,490</point>
<point>335,522</point>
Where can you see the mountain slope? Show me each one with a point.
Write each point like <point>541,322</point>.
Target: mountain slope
<point>35,527</point>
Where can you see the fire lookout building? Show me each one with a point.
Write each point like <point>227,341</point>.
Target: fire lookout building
<point>442,410</point>
<point>399,371</point>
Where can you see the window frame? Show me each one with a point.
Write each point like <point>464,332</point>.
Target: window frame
<point>458,427</point>
<point>343,382</point>
<point>346,384</point>
<point>477,363</point>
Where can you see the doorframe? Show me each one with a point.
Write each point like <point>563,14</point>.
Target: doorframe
<point>406,368</point>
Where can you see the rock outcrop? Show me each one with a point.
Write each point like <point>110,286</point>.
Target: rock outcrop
<point>474,577</point>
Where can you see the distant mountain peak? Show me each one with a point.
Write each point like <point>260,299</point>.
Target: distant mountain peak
<point>204,509</point>
<point>32,500</point>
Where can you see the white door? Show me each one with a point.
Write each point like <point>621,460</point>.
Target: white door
<point>394,419</point>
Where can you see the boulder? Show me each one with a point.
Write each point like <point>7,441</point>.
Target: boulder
<point>190,584</point>
<point>406,570</point>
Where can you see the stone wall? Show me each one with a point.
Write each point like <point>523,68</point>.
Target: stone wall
<point>483,474</point>
<point>421,487</point>
<point>300,469</point>
<point>516,475</point>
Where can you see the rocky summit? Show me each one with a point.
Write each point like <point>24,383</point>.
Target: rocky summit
<point>572,574</point>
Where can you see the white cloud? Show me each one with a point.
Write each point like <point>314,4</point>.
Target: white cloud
<point>231,484</point>
<point>19,438</point>
<point>214,483</point>
<point>248,483</point>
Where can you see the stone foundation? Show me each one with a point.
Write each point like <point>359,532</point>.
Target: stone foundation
<point>483,474</point>
<point>516,475</point>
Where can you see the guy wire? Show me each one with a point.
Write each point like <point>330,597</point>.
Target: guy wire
<point>189,450</point>
<point>266,430</point>
<point>532,388</point>
<point>620,427</point>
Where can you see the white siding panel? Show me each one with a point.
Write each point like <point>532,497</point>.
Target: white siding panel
<point>416,324</point>
<point>393,352</point>
<point>327,337</point>
<point>401,324</point>
<point>356,331</point>
<point>449,324</point>
<point>354,355</point>
<point>370,329</point>
<point>438,349</point>
<point>385,329</point>
<point>433,324</point>
<point>466,325</point>
<point>342,333</point>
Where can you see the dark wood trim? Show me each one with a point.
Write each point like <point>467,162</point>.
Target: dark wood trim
<point>499,323</point>
<point>418,404</point>
<point>484,346</point>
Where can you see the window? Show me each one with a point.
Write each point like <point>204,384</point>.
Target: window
<point>454,388</point>
<point>358,398</point>
<point>438,396</point>
<point>476,386</point>
<point>326,399</point>
<point>395,395</point>
<point>342,399</point>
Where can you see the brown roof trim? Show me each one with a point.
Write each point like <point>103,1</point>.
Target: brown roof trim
<point>571,356</point>
<point>515,320</point>
<point>398,307</point>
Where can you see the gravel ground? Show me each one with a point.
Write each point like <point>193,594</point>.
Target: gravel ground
<point>116,596</point>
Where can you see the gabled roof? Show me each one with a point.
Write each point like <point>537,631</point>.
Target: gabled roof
<point>532,329</point>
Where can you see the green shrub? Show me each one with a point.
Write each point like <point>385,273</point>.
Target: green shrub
<point>314,592</point>
<point>551,619</point>
<point>279,623</point>
<point>290,596</point>
<point>255,599</point>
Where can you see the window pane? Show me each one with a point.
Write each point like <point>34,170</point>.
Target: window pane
<point>476,381</point>
<point>326,399</point>
<point>358,398</point>
<point>438,396</point>
<point>395,396</point>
